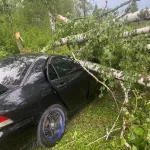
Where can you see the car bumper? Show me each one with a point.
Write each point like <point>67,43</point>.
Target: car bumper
<point>13,127</point>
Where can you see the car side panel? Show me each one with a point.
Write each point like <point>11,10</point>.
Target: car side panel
<point>30,100</point>
<point>73,89</point>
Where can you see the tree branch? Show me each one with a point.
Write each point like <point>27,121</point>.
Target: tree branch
<point>116,8</point>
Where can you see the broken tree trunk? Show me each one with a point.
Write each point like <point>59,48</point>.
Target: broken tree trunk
<point>19,42</point>
<point>64,19</point>
<point>20,45</point>
<point>137,16</point>
<point>113,72</point>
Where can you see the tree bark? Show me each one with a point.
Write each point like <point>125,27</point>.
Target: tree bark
<point>113,72</point>
<point>137,16</point>
<point>148,46</point>
<point>52,22</point>
<point>52,19</point>
<point>137,32</point>
<point>71,39</point>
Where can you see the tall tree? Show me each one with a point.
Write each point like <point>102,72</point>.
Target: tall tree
<point>134,6</point>
<point>82,7</point>
<point>7,12</point>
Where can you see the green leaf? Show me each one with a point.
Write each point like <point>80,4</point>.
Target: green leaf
<point>148,120</point>
<point>134,147</point>
<point>138,130</point>
<point>123,141</point>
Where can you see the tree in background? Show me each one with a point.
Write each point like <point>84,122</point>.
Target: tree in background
<point>82,8</point>
<point>134,6</point>
<point>35,20</point>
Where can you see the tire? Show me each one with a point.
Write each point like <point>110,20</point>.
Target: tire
<point>51,126</point>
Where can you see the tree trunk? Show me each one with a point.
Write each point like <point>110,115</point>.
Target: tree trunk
<point>51,16</point>
<point>71,39</point>
<point>137,32</point>
<point>52,22</point>
<point>64,19</point>
<point>138,16</point>
<point>113,72</point>
<point>148,46</point>
<point>19,42</point>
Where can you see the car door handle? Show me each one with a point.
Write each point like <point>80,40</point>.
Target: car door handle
<point>61,83</point>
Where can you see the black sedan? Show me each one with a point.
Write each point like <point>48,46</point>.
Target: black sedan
<point>42,89</point>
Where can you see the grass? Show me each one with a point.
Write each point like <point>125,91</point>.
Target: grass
<point>89,125</point>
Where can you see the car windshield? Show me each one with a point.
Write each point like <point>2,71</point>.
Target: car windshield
<point>13,69</point>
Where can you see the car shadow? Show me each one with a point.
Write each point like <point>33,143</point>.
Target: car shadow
<point>23,139</point>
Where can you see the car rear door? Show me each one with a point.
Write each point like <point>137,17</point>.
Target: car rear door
<point>72,81</point>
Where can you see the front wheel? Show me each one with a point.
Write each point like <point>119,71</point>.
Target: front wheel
<point>51,126</point>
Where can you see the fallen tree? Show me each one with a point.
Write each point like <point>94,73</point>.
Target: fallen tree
<point>113,72</point>
<point>137,16</point>
<point>137,32</point>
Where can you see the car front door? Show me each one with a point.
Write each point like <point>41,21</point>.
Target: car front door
<point>72,81</point>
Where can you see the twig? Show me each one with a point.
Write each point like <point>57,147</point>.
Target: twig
<point>102,137</point>
<point>97,80</point>
<point>68,144</point>
<point>107,135</point>
<point>124,12</point>
<point>126,92</point>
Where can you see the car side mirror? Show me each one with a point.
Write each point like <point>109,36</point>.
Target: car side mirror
<point>3,89</point>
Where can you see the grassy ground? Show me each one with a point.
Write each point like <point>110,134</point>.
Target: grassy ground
<point>89,125</point>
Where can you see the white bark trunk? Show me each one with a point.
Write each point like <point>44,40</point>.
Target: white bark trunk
<point>113,72</point>
<point>52,22</point>
<point>83,37</point>
<point>137,16</point>
<point>71,39</point>
<point>137,32</point>
<point>148,46</point>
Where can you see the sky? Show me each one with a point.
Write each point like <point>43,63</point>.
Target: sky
<point>113,3</point>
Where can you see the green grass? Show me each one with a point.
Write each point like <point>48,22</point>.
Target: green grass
<point>89,125</point>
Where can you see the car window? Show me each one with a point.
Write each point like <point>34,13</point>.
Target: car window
<point>39,65</point>
<point>65,66</point>
<point>52,73</point>
<point>13,69</point>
